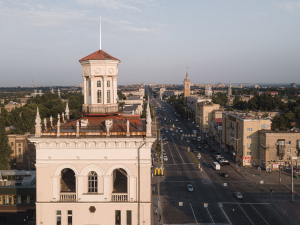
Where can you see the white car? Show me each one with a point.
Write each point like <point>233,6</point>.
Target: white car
<point>167,131</point>
<point>165,158</point>
<point>171,129</point>
<point>181,131</point>
<point>190,187</point>
<point>238,195</point>
<point>176,120</point>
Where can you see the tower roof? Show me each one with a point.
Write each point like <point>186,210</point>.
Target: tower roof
<point>99,55</point>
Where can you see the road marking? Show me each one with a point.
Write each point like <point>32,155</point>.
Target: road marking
<point>171,152</point>
<point>178,164</point>
<point>258,203</point>
<point>245,214</point>
<point>193,213</point>
<point>260,214</point>
<point>226,215</point>
<point>177,149</point>
<point>291,189</point>
<point>210,215</point>
<point>182,171</point>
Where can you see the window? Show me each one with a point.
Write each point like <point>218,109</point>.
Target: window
<point>19,145</point>
<point>11,143</point>
<point>128,214</point>
<point>248,153</point>
<point>108,96</point>
<point>19,150</point>
<point>206,113</point>
<point>289,142</point>
<point>70,217</point>
<point>249,137</point>
<point>206,117</point>
<point>249,145</point>
<point>93,182</point>
<point>58,217</point>
<point>249,129</point>
<point>288,150</point>
<point>89,84</point>
<point>98,96</point>
<point>98,83</point>
<point>108,83</point>
<point>117,217</point>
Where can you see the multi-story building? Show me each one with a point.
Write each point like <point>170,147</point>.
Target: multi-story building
<point>279,147</point>
<point>208,90</point>
<point>240,134</point>
<point>23,155</point>
<point>216,129</point>
<point>204,115</point>
<point>193,99</point>
<point>97,169</point>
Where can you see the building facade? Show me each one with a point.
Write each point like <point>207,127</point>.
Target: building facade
<point>279,148</point>
<point>97,169</point>
<point>240,134</point>
<point>204,115</point>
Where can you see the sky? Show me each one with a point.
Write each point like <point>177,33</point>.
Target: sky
<point>240,41</point>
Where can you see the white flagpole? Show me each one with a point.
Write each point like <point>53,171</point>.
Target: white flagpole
<point>100,32</point>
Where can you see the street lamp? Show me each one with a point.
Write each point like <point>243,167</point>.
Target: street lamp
<point>237,149</point>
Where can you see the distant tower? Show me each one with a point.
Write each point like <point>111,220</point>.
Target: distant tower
<point>187,86</point>
<point>52,91</point>
<point>229,89</point>
<point>58,92</point>
<point>32,84</point>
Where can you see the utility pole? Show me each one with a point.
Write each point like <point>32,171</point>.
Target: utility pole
<point>280,171</point>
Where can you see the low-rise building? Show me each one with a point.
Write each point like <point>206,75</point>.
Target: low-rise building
<point>240,134</point>
<point>279,148</point>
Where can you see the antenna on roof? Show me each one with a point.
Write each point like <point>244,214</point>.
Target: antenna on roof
<point>100,32</point>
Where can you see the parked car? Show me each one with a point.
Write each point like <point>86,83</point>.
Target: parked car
<point>165,158</point>
<point>164,153</point>
<point>225,174</point>
<point>238,195</point>
<point>190,187</point>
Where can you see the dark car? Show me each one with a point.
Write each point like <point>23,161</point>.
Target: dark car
<point>224,162</point>
<point>225,174</point>
<point>212,150</point>
<point>199,146</point>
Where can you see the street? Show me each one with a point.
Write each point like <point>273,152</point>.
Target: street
<point>212,200</point>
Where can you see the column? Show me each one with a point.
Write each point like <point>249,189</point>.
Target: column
<point>84,90</point>
<point>92,89</point>
<point>115,94</point>
<point>104,90</point>
<point>55,189</point>
<point>107,187</point>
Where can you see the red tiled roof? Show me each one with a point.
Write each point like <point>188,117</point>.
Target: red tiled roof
<point>99,55</point>
<point>218,121</point>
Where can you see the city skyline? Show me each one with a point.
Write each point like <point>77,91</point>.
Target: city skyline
<point>233,41</point>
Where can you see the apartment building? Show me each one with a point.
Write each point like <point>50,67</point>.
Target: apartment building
<point>204,112</point>
<point>240,135</point>
<point>278,148</point>
<point>23,155</point>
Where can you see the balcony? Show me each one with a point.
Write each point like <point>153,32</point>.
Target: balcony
<point>68,197</point>
<point>101,109</point>
<point>281,150</point>
<point>119,197</point>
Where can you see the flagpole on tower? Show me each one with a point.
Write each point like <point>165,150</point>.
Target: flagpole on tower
<point>100,32</point>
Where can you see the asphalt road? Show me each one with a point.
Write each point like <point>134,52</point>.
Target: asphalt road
<point>212,200</point>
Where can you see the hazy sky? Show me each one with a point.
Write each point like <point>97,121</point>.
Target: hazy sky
<point>240,41</point>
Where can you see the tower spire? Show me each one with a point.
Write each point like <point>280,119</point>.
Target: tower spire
<point>187,72</point>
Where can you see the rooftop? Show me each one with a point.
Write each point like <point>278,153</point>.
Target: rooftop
<point>280,131</point>
<point>99,55</point>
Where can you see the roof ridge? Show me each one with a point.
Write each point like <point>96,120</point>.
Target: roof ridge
<point>99,55</point>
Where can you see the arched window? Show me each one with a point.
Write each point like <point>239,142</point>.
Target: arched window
<point>98,96</point>
<point>108,83</point>
<point>108,96</point>
<point>93,182</point>
<point>98,83</point>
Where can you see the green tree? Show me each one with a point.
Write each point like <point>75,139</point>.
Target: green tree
<point>5,149</point>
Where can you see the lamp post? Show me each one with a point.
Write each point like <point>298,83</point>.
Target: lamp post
<point>237,150</point>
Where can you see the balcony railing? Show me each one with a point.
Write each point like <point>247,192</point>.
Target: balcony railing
<point>68,197</point>
<point>119,197</point>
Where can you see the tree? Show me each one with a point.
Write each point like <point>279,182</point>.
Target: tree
<point>5,149</point>
<point>121,96</point>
